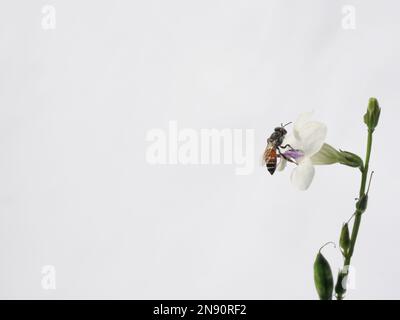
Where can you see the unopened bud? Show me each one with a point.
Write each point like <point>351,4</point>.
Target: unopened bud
<point>323,278</point>
<point>340,288</point>
<point>371,117</point>
<point>344,240</point>
<point>362,203</point>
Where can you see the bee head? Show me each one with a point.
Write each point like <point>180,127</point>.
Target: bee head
<point>281,130</point>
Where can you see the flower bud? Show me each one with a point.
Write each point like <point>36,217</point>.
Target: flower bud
<point>350,159</point>
<point>371,117</point>
<point>323,278</point>
<point>362,203</point>
<point>344,241</point>
<point>340,288</point>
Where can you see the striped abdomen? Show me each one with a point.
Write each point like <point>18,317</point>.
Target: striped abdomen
<point>270,158</point>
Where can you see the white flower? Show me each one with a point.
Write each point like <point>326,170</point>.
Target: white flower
<point>307,139</point>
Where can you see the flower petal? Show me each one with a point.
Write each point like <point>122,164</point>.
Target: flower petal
<point>312,136</point>
<point>303,174</point>
<point>294,154</point>
<point>291,140</point>
<point>301,120</point>
<point>282,164</point>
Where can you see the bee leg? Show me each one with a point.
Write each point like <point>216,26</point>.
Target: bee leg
<point>287,145</point>
<point>280,154</point>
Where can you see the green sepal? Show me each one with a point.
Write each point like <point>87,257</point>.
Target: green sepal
<point>350,159</point>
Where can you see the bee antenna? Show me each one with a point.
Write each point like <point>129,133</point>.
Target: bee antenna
<point>286,124</point>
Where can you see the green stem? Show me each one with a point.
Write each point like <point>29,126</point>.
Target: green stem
<point>358,213</point>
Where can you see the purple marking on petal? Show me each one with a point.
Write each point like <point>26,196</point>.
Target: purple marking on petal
<point>294,154</point>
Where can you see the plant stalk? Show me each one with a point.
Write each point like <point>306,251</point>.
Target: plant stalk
<point>358,213</point>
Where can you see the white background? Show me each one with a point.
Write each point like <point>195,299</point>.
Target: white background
<point>77,193</point>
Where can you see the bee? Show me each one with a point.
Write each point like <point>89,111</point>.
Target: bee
<point>273,150</point>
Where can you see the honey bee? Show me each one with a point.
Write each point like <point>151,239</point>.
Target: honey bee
<point>273,150</point>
